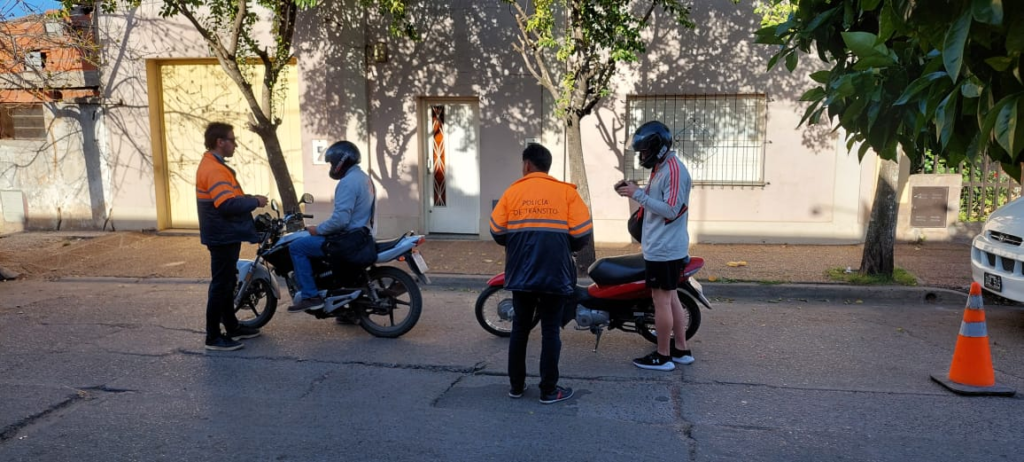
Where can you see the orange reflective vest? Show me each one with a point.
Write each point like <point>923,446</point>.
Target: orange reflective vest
<point>225,211</point>
<point>541,221</point>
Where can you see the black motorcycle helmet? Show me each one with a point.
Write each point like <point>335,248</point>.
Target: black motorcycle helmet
<point>652,142</point>
<point>342,156</point>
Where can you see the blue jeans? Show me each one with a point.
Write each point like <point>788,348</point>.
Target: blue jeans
<point>302,250</point>
<point>550,308</point>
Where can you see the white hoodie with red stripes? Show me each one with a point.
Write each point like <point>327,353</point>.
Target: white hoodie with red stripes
<point>665,200</point>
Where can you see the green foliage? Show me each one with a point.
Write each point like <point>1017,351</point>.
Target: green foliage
<point>774,12</point>
<point>944,79</point>
<point>587,40</point>
<point>899,277</point>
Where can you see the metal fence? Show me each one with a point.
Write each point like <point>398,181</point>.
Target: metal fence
<point>985,187</point>
<point>720,137</point>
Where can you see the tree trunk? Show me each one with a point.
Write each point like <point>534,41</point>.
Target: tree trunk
<point>578,173</point>
<point>880,242</point>
<point>278,166</point>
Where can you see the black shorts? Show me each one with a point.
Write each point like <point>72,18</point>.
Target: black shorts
<point>664,274</point>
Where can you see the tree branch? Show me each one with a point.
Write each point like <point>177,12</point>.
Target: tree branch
<point>211,39</point>
<point>236,29</point>
<point>527,47</point>
<point>227,61</point>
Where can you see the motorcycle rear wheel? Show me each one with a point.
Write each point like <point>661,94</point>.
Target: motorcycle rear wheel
<point>646,328</point>
<point>398,294</point>
<point>258,305</point>
<point>487,305</point>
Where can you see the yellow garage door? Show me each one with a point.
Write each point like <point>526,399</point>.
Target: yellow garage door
<point>193,95</point>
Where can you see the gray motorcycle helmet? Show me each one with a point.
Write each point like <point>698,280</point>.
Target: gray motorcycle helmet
<point>652,141</point>
<point>342,156</point>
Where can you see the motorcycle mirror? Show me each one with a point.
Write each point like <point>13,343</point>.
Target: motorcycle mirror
<point>273,205</point>
<point>307,198</point>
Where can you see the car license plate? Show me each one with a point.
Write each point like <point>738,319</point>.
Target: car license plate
<point>421,264</point>
<point>994,282</point>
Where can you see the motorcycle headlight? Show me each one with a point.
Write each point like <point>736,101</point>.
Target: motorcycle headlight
<point>264,222</point>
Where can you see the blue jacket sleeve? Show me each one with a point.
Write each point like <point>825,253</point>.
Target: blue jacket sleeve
<point>239,205</point>
<point>344,203</point>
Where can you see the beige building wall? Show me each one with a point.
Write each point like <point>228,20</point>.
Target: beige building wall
<point>58,182</point>
<point>135,40</point>
<point>814,191</point>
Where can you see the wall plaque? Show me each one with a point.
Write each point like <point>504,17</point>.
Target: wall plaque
<point>928,206</point>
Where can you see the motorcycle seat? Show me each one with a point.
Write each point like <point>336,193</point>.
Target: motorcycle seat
<point>624,269</point>
<point>617,270</point>
<point>388,244</point>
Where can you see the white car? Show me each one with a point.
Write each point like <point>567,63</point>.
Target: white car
<point>997,254</point>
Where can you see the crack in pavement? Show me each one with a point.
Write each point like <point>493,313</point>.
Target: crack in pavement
<point>81,395</point>
<point>108,389</point>
<point>126,326</point>
<point>9,432</point>
<point>796,388</point>
<point>479,366</point>
<point>382,365</point>
<point>684,426</point>
<point>140,355</point>
<point>1002,372</point>
<point>316,382</point>
<point>446,390</point>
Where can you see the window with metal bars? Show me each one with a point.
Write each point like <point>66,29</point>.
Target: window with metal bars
<point>720,138</point>
<point>22,122</point>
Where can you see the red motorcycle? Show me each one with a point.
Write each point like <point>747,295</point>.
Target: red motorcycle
<point>618,299</point>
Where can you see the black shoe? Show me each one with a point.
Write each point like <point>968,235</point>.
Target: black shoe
<point>655,362</point>
<point>306,304</point>
<point>223,344</point>
<point>516,393</point>
<point>560,394</point>
<point>242,332</point>
<point>682,356</point>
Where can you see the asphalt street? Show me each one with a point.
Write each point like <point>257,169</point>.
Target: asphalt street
<point>116,371</point>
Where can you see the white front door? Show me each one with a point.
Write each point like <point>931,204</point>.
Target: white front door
<point>453,167</point>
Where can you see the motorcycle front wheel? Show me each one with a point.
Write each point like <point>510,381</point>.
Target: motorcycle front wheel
<point>646,327</point>
<point>488,311</point>
<point>398,306</point>
<point>258,304</point>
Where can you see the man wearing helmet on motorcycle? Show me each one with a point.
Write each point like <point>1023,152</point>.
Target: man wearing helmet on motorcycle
<point>666,240</point>
<point>353,213</point>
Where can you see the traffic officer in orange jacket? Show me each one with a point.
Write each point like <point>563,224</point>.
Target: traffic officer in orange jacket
<point>225,221</point>
<point>540,221</point>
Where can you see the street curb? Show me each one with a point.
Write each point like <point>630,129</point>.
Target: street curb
<point>886,295</point>
<point>124,280</point>
<point>773,293</point>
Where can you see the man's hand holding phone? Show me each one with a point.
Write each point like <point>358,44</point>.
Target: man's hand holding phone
<point>625,188</point>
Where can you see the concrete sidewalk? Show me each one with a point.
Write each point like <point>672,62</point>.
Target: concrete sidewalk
<point>771,271</point>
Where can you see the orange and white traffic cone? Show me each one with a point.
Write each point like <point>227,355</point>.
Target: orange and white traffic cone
<point>971,372</point>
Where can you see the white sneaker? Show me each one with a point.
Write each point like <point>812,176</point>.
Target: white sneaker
<point>683,357</point>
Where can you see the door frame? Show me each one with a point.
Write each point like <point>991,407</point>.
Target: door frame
<point>157,139</point>
<point>422,105</point>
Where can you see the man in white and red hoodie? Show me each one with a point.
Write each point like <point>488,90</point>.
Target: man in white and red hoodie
<point>666,240</point>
